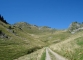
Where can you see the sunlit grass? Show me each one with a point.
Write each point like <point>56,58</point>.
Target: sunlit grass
<point>71,48</point>
<point>43,56</point>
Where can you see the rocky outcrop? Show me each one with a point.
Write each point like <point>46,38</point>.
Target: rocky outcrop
<point>3,35</point>
<point>75,26</point>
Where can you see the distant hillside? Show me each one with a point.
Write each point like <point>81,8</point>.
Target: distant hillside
<point>33,28</point>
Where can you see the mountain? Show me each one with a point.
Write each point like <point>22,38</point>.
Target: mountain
<point>23,38</point>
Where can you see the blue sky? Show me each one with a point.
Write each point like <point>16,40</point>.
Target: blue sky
<point>53,13</point>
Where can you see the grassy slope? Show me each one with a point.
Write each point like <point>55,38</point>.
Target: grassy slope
<point>33,56</point>
<point>53,38</point>
<point>71,48</point>
<point>43,56</point>
<point>18,43</point>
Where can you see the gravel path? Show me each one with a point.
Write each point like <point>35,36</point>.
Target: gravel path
<point>47,55</point>
<point>57,56</point>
